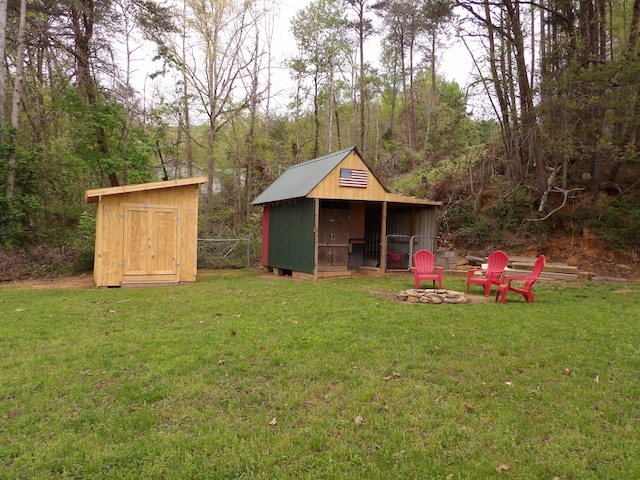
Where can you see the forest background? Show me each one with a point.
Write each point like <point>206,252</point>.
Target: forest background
<point>549,162</point>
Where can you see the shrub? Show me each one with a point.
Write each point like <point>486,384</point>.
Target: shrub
<point>619,223</point>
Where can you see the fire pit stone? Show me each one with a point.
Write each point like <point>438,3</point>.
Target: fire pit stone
<point>431,296</point>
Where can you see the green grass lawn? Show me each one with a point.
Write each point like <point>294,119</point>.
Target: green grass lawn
<point>248,376</point>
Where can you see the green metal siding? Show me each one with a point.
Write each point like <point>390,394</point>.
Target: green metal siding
<point>291,236</point>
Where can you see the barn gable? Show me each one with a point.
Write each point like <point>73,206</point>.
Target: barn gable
<point>351,179</point>
<point>319,178</point>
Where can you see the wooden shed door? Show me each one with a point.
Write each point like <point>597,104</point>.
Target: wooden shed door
<point>150,241</point>
<point>333,237</point>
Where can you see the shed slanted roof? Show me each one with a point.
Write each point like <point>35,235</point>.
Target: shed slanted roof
<point>299,180</point>
<point>93,196</point>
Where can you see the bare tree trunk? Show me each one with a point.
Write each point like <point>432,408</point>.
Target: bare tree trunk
<point>3,68</point>
<point>126,32</point>
<point>507,134</point>
<point>269,28</point>
<point>405,97</point>
<point>316,117</point>
<point>17,94</point>
<point>633,27</point>
<point>83,18</point>
<point>337,114</point>
<point>433,94</point>
<point>361,27</point>
<point>330,106</point>
<point>186,111</point>
<point>254,95</point>
<point>363,136</point>
<point>531,134</point>
<point>412,99</point>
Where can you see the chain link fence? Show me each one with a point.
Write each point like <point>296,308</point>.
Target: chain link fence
<point>400,250</point>
<point>220,253</point>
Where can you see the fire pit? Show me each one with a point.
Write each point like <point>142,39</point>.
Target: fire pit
<point>431,296</point>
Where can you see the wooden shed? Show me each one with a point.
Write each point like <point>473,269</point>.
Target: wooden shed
<point>147,233</point>
<point>331,216</point>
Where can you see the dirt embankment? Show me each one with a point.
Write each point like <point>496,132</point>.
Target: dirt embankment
<point>589,254</point>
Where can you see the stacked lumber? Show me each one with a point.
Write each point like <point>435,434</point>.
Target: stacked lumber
<point>524,265</point>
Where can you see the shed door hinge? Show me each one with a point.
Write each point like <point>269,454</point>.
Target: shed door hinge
<point>177,264</point>
<point>122,215</point>
<point>121,265</point>
<point>178,219</point>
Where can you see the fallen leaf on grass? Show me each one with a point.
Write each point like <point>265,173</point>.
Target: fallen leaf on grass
<point>469,407</point>
<point>392,376</point>
<point>274,421</point>
<point>597,379</point>
<point>567,372</point>
<point>503,467</point>
<point>359,420</point>
<point>20,309</point>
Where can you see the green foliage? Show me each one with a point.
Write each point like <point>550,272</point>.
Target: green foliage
<point>84,242</point>
<point>89,143</point>
<point>98,133</point>
<point>226,253</point>
<point>11,228</point>
<point>475,230</point>
<point>510,211</point>
<point>619,223</point>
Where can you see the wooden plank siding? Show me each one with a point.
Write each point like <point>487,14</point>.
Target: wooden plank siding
<point>330,187</point>
<point>146,233</point>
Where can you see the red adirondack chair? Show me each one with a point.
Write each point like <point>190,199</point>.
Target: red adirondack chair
<point>506,284</point>
<point>497,262</point>
<point>424,268</point>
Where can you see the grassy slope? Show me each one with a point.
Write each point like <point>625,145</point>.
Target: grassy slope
<point>242,376</point>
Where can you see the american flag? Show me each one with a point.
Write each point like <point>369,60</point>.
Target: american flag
<point>350,177</point>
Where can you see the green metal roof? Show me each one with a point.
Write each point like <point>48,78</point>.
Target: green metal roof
<point>299,180</point>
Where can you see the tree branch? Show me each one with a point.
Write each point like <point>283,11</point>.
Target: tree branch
<point>564,202</point>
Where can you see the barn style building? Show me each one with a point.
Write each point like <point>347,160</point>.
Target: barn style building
<point>331,216</point>
<point>146,234</point>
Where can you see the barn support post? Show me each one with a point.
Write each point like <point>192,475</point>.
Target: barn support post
<point>383,239</point>
<point>316,223</point>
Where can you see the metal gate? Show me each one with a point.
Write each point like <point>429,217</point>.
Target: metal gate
<point>400,250</point>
